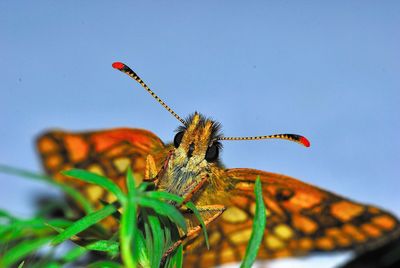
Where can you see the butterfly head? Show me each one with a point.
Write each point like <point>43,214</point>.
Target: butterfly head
<point>195,154</point>
<point>198,139</point>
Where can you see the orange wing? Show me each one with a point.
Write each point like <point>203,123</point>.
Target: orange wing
<point>300,218</point>
<point>108,152</point>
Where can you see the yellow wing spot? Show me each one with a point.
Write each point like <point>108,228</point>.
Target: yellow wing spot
<point>122,163</point>
<point>283,231</point>
<point>234,215</point>
<point>94,192</point>
<point>384,221</point>
<point>272,242</point>
<point>306,244</point>
<point>253,209</point>
<point>325,243</point>
<point>96,169</point>
<point>227,254</point>
<point>138,178</point>
<point>304,224</point>
<point>345,210</point>
<point>267,212</point>
<point>110,197</point>
<point>208,256</point>
<point>245,186</point>
<point>371,230</point>
<point>241,237</point>
<point>214,238</point>
<point>353,232</point>
<point>47,145</point>
<point>53,161</point>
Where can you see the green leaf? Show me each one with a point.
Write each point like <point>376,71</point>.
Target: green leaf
<point>72,192</point>
<point>94,178</point>
<point>144,185</point>
<point>178,257</point>
<point>141,251</point>
<point>74,254</point>
<point>108,246</point>
<point>148,235</point>
<point>51,265</point>
<point>130,181</point>
<point>165,196</point>
<point>21,250</point>
<point>163,209</point>
<point>259,223</point>
<point>129,223</point>
<point>158,240</point>
<point>84,223</point>
<point>59,223</point>
<point>105,264</point>
<point>21,228</point>
<point>176,261</point>
<point>169,229</point>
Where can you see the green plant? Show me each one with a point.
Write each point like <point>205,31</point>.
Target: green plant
<point>150,224</point>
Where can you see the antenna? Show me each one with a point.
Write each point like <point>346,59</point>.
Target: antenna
<point>125,69</point>
<point>291,137</point>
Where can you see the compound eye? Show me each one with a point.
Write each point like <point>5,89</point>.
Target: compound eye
<point>212,153</point>
<point>178,138</point>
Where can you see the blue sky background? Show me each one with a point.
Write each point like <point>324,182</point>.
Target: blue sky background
<point>328,71</point>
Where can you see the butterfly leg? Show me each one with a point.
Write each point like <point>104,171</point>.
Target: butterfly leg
<point>151,172</point>
<point>192,188</point>
<point>209,213</point>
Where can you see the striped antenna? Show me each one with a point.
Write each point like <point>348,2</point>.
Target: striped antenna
<point>291,137</point>
<point>125,69</point>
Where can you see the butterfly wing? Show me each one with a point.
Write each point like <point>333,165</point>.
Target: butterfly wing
<point>108,153</point>
<point>301,218</point>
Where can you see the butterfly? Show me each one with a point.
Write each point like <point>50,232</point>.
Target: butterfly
<point>301,218</point>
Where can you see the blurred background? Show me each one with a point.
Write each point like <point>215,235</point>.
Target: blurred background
<point>326,71</point>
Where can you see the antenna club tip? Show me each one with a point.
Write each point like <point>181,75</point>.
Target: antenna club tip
<point>305,141</point>
<point>118,65</point>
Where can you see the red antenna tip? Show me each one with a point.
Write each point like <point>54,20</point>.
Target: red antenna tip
<point>118,65</point>
<point>304,141</point>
